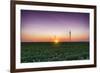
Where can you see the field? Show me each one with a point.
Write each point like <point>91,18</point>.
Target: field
<point>49,51</point>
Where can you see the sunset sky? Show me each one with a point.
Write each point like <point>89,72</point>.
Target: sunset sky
<point>46,26</point>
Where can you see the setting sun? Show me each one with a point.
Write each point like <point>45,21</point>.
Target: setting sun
<point>56,41</point>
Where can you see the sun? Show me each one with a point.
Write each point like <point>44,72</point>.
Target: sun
<point>56,41</point>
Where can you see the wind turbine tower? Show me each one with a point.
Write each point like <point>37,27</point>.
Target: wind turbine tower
<point>70,35</point>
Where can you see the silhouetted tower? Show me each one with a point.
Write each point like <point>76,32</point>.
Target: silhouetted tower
<point>55,37</point>
<point>70,35</point>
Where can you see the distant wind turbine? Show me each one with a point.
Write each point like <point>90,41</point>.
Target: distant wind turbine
<point>70,35</point>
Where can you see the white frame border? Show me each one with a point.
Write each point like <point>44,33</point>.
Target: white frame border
<point>20,65</point>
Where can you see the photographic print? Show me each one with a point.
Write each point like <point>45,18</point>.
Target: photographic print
<point>54,36</point>
<point>49,36</point>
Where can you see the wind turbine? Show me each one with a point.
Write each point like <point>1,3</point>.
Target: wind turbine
<point>70,35</point>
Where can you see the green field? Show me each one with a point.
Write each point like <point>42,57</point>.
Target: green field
<point>49,51</point>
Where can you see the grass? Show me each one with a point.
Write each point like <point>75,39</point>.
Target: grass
<point>48,51</point>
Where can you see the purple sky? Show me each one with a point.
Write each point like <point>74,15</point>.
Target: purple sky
<point>42,25</point>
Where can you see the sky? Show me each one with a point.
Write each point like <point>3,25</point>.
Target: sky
<point>47,26</point>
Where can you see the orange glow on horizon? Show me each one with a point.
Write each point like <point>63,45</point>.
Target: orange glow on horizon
<point>56,39</point>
